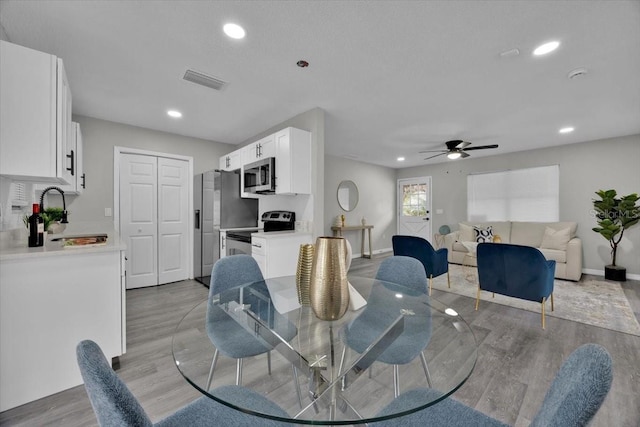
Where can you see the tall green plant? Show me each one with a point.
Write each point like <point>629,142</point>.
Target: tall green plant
<point>614,216</point>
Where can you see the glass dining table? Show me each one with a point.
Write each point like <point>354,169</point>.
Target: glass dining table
<point>331,372</point>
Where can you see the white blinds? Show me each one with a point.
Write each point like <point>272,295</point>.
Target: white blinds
<point>519,195</point>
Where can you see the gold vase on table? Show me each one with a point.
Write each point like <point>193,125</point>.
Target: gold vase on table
<point>329,291</point>
<point>303,273</point>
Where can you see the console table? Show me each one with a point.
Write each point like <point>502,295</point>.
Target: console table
<point>337,231</point>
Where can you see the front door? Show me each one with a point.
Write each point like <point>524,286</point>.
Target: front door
<point>414,207</point>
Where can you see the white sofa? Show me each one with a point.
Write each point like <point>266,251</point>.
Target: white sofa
<point>557,243</point>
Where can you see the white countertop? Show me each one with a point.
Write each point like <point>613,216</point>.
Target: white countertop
<point>13,244</point>
<point>279,234</point>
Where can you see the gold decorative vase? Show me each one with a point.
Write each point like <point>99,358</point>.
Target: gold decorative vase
<point>303,273</point>
<point>329,291</point>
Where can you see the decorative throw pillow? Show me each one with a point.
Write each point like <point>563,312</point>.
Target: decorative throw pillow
<point>466,233</point>
<point>483,235</point>
<point>555,239</point>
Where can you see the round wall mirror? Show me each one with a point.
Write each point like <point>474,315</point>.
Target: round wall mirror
<point>347,195</point>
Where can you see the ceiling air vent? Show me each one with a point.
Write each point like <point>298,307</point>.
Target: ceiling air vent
<point>204,80</point>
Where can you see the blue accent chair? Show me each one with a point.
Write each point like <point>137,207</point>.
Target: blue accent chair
<point>115,405</point>
<point>228,337</point>
<point>434,261</point>
<point>576,394</point>
<point>515,271</point>
<point>381,310</point>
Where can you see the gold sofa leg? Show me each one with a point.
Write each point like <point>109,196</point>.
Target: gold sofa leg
<point>478,297</point>
<point>448,279</point>
<point>430,281</point>
<point>551,301</point>
<point>543,301</point>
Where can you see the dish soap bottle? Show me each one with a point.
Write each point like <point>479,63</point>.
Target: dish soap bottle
<point>36,227</point>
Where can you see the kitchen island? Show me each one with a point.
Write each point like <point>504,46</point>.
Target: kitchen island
<point>51,298</point>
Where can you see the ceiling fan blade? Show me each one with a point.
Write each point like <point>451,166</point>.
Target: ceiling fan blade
<point>434,151</point>
<point>481,147</point>
<point>462,145</point>
<point>441,154</point>
<point>463,154</point>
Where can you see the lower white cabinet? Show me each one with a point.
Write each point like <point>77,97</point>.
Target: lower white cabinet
<point>48,304</point>
<point>277,252</point>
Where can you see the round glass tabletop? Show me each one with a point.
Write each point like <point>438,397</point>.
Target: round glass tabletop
<point>324,372</point>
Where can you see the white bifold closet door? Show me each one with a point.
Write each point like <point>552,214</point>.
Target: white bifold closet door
<point>154,219</point>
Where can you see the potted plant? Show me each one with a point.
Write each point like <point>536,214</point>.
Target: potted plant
<point>614,215</point>
<point>52,217</point>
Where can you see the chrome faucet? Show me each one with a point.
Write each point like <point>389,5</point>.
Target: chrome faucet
<point>64,204</point>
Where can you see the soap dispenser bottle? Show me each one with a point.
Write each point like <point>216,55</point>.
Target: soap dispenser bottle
<point>36,227</point>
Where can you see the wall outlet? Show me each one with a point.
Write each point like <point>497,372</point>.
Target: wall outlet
<point>107,211</point>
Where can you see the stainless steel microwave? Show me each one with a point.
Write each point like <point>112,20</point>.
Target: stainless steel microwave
<point>260,176</point>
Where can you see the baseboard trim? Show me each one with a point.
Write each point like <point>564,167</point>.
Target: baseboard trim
<point>601,273</point>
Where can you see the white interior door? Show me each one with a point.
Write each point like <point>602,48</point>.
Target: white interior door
<point>173,221</point>
<point>138,218</point>
<point>414,207</point>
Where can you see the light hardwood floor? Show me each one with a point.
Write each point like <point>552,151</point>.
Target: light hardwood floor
<point>517,360</point>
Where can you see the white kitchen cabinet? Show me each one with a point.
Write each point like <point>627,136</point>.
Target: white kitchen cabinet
<point>231,161</point>
<point>76,165</point>
<point>223,244</point>
<point>277,252</point>
<point>293,161</point>
<point>259,150</point>
<point>35,112</point>
<point>51,299</point>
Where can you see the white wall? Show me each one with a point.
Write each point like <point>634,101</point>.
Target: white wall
<point>377,200</point>
<point>584,168</point>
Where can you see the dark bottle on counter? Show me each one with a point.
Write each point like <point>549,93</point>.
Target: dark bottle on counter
<point>36,227</point>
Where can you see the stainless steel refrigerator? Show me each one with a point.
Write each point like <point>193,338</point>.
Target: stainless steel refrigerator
<point>217,205</point>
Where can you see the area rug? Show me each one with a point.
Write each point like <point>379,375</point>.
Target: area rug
<point>591,301</point>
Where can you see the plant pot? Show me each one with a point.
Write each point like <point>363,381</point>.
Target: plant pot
<point>616,273</point>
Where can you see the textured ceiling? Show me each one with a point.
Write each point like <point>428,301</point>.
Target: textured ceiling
<point>394,78</point>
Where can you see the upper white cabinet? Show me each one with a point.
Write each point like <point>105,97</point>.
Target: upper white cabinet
<point>293,161</point>
<point>261,149</point>
<point>75,165</point>
<point>231,161</point>
<point>35,112</point>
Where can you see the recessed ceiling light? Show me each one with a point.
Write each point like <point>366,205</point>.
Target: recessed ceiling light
<point>234,31</point>
<point>546,48</point>
<point>568,129</point>
<point>174,114</point>
<point>400,159</point>
<point>454,155</point>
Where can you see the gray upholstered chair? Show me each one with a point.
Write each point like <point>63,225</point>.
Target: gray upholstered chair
<point>228,337</point>
<point>409,274</point>
<point>115,405</point>
<point>576,394</point>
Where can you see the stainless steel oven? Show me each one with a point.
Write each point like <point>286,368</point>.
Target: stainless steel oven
<point>238,242</point>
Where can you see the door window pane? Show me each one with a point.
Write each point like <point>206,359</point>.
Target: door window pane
<point>414,200</point>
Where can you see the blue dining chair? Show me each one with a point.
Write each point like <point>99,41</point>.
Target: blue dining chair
<point>434,261</point>
<point>399,274</point>
<point>576,394</point>
<point>515,271</point>
<point>115,406</point>
<point>228,337</point>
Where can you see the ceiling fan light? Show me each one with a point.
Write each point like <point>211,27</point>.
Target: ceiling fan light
<point>454,155</point>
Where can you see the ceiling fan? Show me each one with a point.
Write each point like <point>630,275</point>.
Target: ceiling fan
<point>457,149</point>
